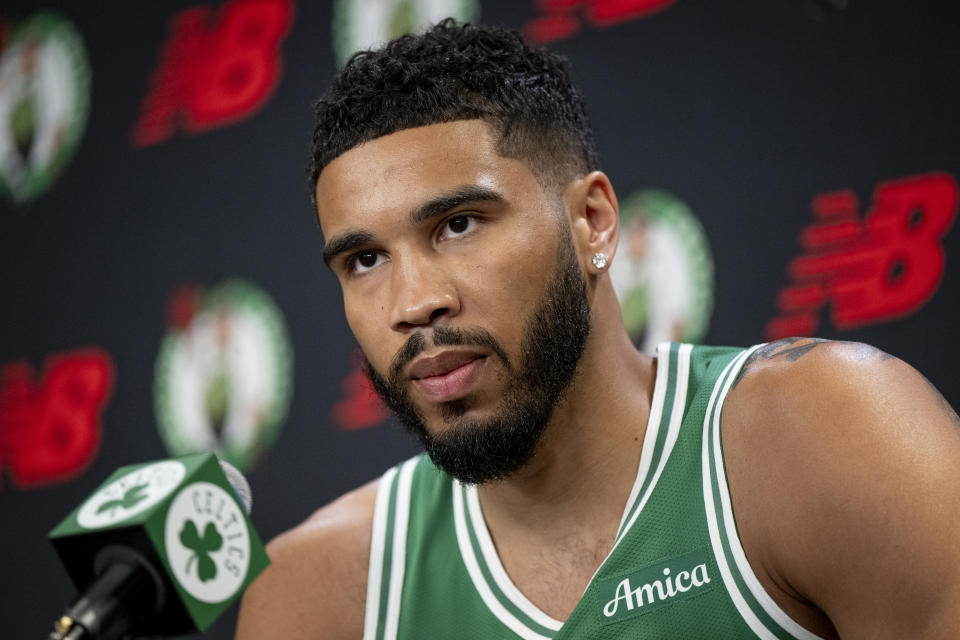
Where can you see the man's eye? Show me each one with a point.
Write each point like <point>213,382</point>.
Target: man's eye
<point>364,261</point>
<point>458,225</point>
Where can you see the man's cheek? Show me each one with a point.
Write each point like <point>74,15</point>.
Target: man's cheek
<point>375,363</point>
<point>372,351</point>
<point>362,327</point>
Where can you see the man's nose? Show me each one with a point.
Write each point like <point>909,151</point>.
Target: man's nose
<point>422,294</point>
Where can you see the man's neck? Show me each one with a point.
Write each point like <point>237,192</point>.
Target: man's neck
<point>585,466</point>
<point>554,522</point>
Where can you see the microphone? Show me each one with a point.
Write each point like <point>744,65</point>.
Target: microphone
<point>161,548</point>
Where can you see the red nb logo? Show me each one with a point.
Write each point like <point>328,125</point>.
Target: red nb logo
<point>882,267</point>
<point>214,72</point>
<point>561,18</point>
<point>360,407</point>
<point>50,431</point>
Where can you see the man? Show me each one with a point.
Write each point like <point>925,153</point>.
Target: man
<point>584,489</point>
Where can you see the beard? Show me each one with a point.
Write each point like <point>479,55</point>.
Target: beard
<point>477,450</point>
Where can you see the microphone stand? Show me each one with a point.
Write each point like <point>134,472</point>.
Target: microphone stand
<point>122,592</point>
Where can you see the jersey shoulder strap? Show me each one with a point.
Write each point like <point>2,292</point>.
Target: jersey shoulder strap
<point>391,518</point>
<point>755,606</point>
<point>427,572</point>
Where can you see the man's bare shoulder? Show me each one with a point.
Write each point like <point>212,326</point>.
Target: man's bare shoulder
<point>842,463</point>
<point>794,377</point>
<point>805,387</point>
<point>315,586</point>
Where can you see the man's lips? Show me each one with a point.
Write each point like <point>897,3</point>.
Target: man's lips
<point>441,363</point>
<point>448,375</point>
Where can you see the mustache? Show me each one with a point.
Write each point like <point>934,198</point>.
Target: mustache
<point>445,336</point>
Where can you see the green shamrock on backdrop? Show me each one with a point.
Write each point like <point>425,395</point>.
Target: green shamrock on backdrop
<point>211,541</point>
<point>132,496</point>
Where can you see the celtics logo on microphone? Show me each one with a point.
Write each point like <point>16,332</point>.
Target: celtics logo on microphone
<point>207,542</point>
<point>362,24</point>
<point>223,376</point>
<point>130,494</point>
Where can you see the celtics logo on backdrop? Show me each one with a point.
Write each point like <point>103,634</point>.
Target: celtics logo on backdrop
<point>44,101</point>
<point>224,372</point>
<point>130,494</point>
<point>663,271</point>
<point>363,24</point>
<point>207,542</point>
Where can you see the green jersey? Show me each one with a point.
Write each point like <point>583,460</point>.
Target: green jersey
<point>677,568</point>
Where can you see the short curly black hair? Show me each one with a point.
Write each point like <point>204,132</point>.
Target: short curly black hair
<point>461,72</point>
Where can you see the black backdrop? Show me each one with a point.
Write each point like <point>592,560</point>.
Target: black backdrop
<point>745,111</point>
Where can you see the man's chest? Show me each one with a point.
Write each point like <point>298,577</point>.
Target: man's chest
<point>553,577</point>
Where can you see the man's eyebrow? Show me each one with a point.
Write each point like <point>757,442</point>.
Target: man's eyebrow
<point>432,208</point>
<point>343,243</point>
<point>453,199</point>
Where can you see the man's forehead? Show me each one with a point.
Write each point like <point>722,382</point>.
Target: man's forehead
<point>460,142</point>
<point>404,168</point>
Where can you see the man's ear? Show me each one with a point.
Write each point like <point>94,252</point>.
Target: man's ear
<point>594,220</point>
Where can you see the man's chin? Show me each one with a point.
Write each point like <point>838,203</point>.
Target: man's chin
<point>465,414</point>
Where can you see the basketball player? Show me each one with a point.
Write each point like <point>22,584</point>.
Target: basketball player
<point>573,487</point>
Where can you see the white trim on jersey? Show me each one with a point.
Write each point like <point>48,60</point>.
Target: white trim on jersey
<point>673,429</point>
<point>377,545</point>
<point>730,529</point>
<point>745,611</point>
<point>399,557</point>
<point>653,426</point>
<point>711,439</point>
<point>473,568</point>
<point>496,568</point>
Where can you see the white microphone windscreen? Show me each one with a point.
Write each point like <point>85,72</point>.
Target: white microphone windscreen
<point>240,485</point>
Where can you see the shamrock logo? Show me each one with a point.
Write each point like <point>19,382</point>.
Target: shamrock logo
<point>211,541</point>
<point>132,496</point>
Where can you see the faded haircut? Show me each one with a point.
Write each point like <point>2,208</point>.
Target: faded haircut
<point>461,72</point>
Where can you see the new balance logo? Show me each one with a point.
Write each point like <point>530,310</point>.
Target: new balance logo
<point>655,586</point>
<point>877,268</point>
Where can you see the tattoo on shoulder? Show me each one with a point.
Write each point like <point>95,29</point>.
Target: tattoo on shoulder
<point>792,349</point>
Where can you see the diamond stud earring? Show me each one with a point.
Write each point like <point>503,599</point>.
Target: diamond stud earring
<point>599,260</point>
